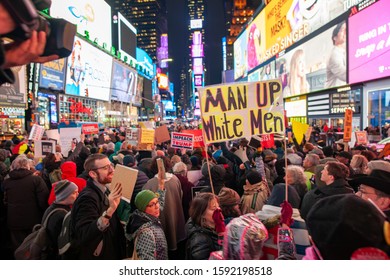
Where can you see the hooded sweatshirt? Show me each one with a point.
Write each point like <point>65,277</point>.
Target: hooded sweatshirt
<point>69,172</point>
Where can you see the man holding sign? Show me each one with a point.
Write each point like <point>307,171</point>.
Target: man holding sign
<point>95,224</point>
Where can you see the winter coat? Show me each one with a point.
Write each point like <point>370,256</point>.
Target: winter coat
<point>93,243</point>
<point>254,197</point>
<point>339,186</point>
<point>201,242</point>
<point>186,187</point>
<point>172,217</point>
<point>69,172</point>
<point>25,198</point>
<point>151,243</point>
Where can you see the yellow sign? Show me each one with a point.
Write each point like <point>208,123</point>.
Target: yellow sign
<point>299,130</point>
<point>241,110</point>
<point>147,136</point>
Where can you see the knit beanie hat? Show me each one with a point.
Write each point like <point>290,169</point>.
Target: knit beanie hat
<point>228,197</point>
<point>63,189</point>
<point>143,198</point>
<point>253,177</point>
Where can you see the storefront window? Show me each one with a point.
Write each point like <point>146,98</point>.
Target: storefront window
<point>378,108</point>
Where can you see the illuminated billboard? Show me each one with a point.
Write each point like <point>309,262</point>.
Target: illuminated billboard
<point>146,62</point>
<point>303,70</point>
<point>198,65</point>
<point>162,81</point>
<point>52,74</point>
<point>240,60</point>
<point>93,16</point>
<point>123,84</point>
<point>196,23</point>
<point>88,71</point>
<point>127,37</point>
<point>369,45</point>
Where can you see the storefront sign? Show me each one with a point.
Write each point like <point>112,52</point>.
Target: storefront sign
<point>241,110</point>
<point>341,101</point>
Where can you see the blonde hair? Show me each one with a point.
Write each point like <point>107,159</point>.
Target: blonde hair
<point>359,164</point>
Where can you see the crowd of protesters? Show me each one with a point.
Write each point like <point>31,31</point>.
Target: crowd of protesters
<point>337,204</point>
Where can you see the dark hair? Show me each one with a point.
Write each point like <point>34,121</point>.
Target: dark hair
<point>199,205</point>
<point>278,144</point>
<point>337,169</point>
<point>328,151</point>
<point>369,155</point>
<point>89,163</point>
<point>336,30</point>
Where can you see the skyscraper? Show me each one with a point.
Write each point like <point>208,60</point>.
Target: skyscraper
<point>149,17</point>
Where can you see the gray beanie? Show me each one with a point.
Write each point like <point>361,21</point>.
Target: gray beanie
<point>63,189</point>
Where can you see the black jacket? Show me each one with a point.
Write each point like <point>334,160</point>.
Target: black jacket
<point>201,242</point>
<point>339,186</point>
<point>87,209</point>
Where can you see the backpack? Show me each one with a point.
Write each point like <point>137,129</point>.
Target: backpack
<point>35,245</point>
<point>244,237</point>
<point>66,234</point>
<point>55,176</point>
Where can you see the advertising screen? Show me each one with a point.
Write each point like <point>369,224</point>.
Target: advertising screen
<point>127,37</point>
<point>317,64</point>
<point>145,61</point>
<point>15,94</point>
<point>88,72</point>
<point>255,41</point>
<point>288,21</point>
<point>52,74</point>
<point>123,83</point>
<point>93,16</point>
<point>240,60</point>
<point>296,107</point>
<point>369,45</point>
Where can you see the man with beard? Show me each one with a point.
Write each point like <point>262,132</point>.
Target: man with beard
<point>98,233</point>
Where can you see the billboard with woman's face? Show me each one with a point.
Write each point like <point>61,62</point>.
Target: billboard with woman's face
<point>240,56</point>
<point>88,72</point>
<point>317,64</point>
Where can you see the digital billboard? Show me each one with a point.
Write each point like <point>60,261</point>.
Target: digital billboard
<point>240,61</point>
<point>255,41</point>
<point>288,21</point>
<point>123,84</point>
<point>369,45</point>
<point>127,37</point>
<point>317,64</point>
<point>15,94</point>
<point>88,71</point>
<point>93,16</point>
<point>52,74</point>
<point>146,62</point>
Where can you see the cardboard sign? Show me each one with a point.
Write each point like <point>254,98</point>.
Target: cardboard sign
<point>347,125</point>
<point>132,135</point>
<point>36,132</point>
<point>44,147</point>
<point>198,137</point>
<point>361,137</point>
<point>182,140</point>
<point>162,134</point>
<point>127,177</point>
<point>53,134</point>
<point>91,128</point>
<point>239,110</point>
<point>66,137</point>
<point>146,139</point>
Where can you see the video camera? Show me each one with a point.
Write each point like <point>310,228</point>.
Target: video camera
<point>60,33</point>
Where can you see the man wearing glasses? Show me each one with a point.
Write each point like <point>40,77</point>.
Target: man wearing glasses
<point>98,231</point>
<point>375,187</point>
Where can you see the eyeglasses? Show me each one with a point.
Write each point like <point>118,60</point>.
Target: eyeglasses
<point>106,167</point>
<point>153,204</point>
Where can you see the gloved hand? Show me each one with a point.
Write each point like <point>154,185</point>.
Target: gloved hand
<point>286,213</point>
<point>219,221</point>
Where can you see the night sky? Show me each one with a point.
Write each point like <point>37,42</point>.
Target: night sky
<point>178,39</point>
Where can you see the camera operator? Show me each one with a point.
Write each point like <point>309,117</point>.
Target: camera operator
<point>15,54</point>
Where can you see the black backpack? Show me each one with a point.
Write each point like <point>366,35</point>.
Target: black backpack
<point>36,245</point>
<point>66,234</point>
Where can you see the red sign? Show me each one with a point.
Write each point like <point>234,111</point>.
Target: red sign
<point>267,141</point>
<point>182,140</point>
<point>92,128</point>
<point>198,137</point>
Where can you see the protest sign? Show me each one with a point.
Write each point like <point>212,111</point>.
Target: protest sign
<point>90,128</point>
<point>127,177</point>
<point>53,134</point>
<point>198,137</point>
<point>348,125</point>
<point>44,147</point>
<point>240,110</point>
<point>162,134</point>
<point>36,132</point>
<point>67,134</point>
<point>146,139</point>
<point>299,130</point>
<point>361,137</point>
<point>182,140</point>
<point>132,135</point>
